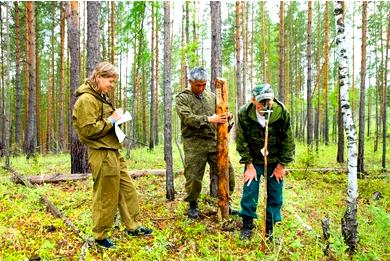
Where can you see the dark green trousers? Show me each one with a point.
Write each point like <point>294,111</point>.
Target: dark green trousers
<point>250,195</point>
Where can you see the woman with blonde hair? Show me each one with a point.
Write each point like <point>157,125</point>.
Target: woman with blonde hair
<point>94,118</point>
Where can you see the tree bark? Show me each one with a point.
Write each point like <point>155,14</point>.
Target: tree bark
<point>238,59</point>
<point>93,35</point>
<point>216,42</point>
<point>62,77</point>
<point>167,104</point>
<point>362,116</point>
<point>245,49</point>
<point>152,86</point>
<point>349,221</point>
<point>18,140</point>
<point>79,157</point>
<point>221,90</point>
<point>281,95</point>
<point>326,73</point>
<point>263,42</point>
<point>7,97</point>
<point>31,139</point>
<point>385,94</point>
<point>309,79</point>
<point>216,68</point>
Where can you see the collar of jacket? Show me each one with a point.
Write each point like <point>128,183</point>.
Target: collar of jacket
<point>276,111</point>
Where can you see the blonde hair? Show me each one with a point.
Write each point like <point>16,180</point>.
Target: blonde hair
<point>102,69</point>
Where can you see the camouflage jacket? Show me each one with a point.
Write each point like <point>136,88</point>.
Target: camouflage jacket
<point>251,135</point>
<point>90,119</point>
<point>193,112</point>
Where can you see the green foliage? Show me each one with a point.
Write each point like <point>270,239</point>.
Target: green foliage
<point>27,230</point>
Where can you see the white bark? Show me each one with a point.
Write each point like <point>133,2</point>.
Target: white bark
<point>345,106</point>
<point>349,221</point>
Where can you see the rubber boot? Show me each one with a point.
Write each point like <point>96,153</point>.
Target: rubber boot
<point>193,210</point>
<point>247,226</point>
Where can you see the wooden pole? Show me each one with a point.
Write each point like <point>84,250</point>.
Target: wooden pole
<point>221,90</point>
<point>268,112</point>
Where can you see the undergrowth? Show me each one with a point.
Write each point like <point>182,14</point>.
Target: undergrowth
<point>28,230</point>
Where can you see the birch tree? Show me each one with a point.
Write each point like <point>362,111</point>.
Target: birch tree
<point>349,221</point>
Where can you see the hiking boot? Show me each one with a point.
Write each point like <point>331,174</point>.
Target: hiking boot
<point>193,210</point>
<point>105,243</point>
<point>245,234</point>
<point>247,226</point>
<point>139,231</point>
<point>269,229</point>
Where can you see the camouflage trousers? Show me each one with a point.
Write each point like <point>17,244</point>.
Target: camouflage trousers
<point>112,189</point>
<point>198,152</point>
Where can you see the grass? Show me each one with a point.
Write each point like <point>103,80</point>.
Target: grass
<point>28,230</point>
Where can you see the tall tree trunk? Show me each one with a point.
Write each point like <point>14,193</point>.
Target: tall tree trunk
<point>245,49</point>
<point>326,71</point>
<point>353,65</point>
<point>309,80</point>
<point>38,90</point>
<point>362,116</point>
<point>2,81</point>
<point>167,104</point>
<point>93,35</point>
<point>112,48</point>
<point>252,44</point>
<point>157,80</point>
<point>17,78</point>
<point>318,81</point>
<point>281,52</point>
<point>7,97</point>
<point>183,66</point>
<point>50,92</point>
<point>31,137</point>
<point>62,77</point>
<point>349,221</point>
<point>238,58</point>
<point>384,131</point>
<point>216,42</point>
<point>79,157</point>
<point>216,68</point>
<point>152,86</point>
<point>263,58</point>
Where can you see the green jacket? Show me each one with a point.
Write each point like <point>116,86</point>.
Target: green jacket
<point>250,135</point>
<point>193,112</point>
<point>90,119</point>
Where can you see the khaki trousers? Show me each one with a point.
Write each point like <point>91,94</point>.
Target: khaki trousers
<point>112,189</point>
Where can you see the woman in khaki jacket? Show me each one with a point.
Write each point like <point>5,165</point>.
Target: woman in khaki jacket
<point>94,118</point>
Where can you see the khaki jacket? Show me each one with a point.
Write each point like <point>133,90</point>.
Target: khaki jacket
<point>90,119</point>
<point>193,112</point>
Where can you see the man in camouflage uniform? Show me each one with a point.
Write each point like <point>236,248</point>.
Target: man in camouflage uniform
<point>196,109</point>
<point>250,144</point>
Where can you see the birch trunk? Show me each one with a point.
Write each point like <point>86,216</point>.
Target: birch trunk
<point>349,221</point>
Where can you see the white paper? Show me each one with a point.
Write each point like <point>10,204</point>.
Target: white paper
<point>119,133</point>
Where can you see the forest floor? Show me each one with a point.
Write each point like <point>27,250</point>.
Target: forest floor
<point>29,232</point>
